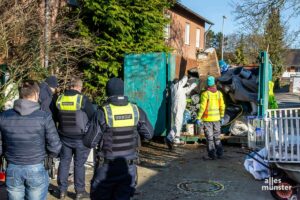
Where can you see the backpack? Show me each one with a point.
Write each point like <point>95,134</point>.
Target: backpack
<point>92,133</point>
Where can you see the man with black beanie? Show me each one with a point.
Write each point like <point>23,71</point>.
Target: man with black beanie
<point>47,89</point>
<point>121,124</point>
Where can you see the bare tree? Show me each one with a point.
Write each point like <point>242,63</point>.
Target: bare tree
<point>22,41</point>
<point>20,34</point>
<point>253,14</point>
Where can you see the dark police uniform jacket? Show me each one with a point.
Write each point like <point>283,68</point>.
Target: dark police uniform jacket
<point>116,140</point>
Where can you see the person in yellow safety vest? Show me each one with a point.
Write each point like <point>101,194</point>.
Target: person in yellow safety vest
<point>73,112</point>
<point>211,113</point>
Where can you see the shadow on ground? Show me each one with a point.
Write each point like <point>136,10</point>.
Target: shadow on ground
<point>184,174</point>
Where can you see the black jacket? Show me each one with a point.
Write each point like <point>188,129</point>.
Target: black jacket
<point>45,97</point>
<point>144,127</point>
<point>87,107</point>
<point>27,134</point>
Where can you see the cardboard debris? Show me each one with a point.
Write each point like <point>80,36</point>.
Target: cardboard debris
<point>208,64</point>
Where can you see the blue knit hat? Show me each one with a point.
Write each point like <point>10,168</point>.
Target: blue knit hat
<point>210,81</point>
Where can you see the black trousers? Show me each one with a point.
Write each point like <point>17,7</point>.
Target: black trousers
<point>72,148</point>
<point>114,181</point>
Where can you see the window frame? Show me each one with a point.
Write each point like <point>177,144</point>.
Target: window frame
<point>198,37</point>
<point>187,33</point>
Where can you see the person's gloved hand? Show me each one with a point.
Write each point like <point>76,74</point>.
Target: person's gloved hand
<point>198,122</point>
<point>222,121</point>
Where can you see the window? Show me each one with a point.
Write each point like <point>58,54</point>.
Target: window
<point>197,38</point>
<point>187,33</point>
<point>167,28</point>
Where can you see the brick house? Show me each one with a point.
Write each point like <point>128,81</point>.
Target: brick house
<point>186,35</point>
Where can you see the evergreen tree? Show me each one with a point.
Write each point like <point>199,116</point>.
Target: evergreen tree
<point>210,36</point>
<point>240,58</point>
<point>218,44</point>
<point>214,40</point>
<point>120,27</point>
<point>273,40</point>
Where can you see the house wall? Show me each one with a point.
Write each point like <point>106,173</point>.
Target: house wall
<point>291,71</point>
<point>186,54</point>
<point>177,34</point>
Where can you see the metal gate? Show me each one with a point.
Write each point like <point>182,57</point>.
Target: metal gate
<point>146,78</point>
<point>283,135</point>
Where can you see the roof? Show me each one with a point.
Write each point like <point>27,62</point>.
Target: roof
<point>191,12</point>
<point>292,57</point>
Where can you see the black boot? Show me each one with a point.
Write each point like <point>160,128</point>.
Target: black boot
<point>169,143</point>
<point>219,151</point>
<point>62,195</point>
<point>82,195</point>
<point>212,154</point>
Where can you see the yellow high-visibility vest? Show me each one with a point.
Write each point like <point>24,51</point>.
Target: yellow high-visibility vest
<point>121,116</point>
<point>212,107</point>
<point>69,103</point>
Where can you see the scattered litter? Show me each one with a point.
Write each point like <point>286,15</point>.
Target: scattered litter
<point>254,167</point>
<point>239,128</point>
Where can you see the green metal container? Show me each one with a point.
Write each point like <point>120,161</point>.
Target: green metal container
<point>265,75</point>
<point>146,78</point>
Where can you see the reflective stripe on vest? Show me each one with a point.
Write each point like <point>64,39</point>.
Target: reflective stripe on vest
<point>69,103</point>
<point>212,111</point>
<point>122,122</point>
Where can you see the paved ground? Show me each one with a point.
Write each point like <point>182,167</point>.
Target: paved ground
<point>183,174</point>
<point>162,171</point>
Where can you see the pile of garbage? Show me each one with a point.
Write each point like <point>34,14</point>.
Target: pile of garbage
<point>193,103</point>
<point>241,85</point>
<point>240,89</point>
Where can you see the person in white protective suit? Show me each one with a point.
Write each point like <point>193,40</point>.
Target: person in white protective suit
<point>178,98</point>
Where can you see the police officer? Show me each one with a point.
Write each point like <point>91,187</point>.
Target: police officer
<point>27,135</point>
<point>121,123</point>
<point>74,111</point>
<point>47,90</point>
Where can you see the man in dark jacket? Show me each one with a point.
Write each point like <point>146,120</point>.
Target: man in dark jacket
<point>74,111</point>
<point>121,123</point>
<point>47,90</point>
<point>27,135</point>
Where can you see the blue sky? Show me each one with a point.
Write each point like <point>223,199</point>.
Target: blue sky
<point>214,10</point>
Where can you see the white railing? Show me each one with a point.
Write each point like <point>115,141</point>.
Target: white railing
<point>282,139</point>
